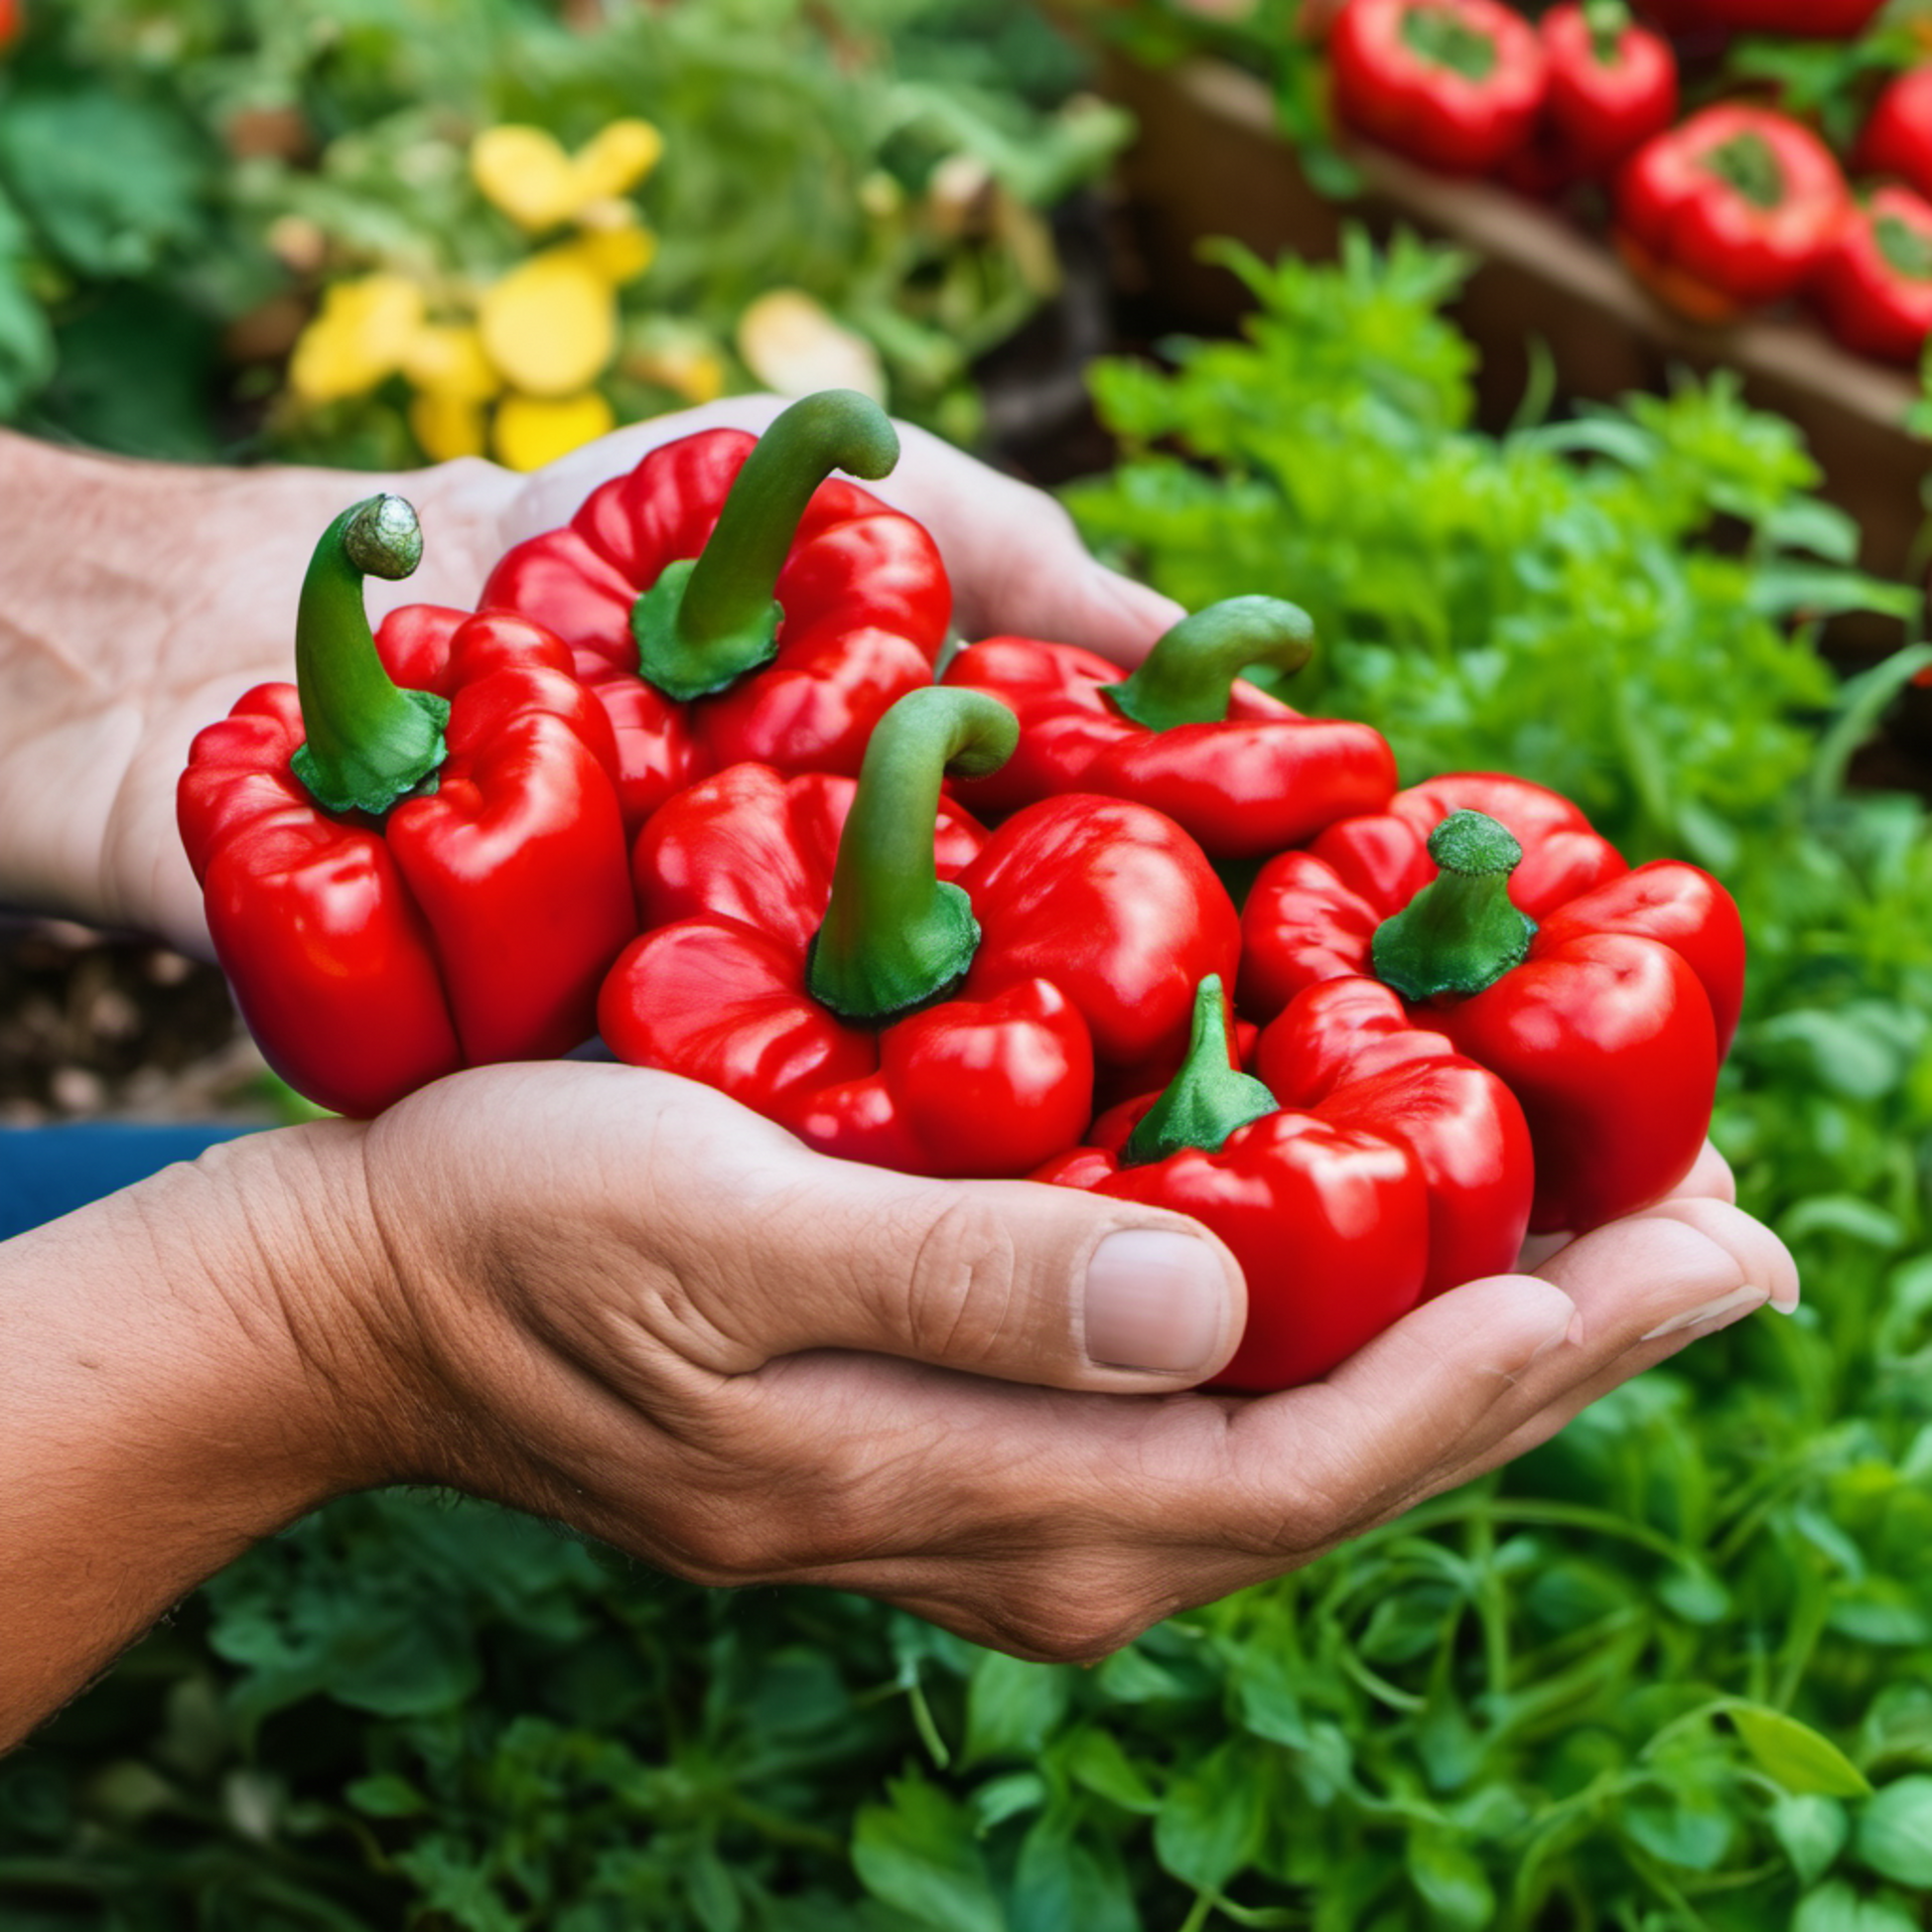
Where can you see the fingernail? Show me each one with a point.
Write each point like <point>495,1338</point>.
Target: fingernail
<point>1780,1305</point>
<point>1157,1302</point>
<point>1737,1300</point>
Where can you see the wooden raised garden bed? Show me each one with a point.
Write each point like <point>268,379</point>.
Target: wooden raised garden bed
<point>1210,160</point>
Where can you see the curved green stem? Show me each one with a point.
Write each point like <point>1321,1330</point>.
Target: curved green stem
<point>1208,1099</point>
<point>1460,934</point>
<point>1608,21</point>
<point>895,938</point>
<point>368,741</point>
<point>1187,678</point>
<point>708,621</point>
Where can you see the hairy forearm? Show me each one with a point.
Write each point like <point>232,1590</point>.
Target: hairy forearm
<point>181,1374</point>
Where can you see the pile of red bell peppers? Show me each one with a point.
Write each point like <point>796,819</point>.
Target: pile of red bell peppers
<point>1720,211</point>
<point>688,780</point>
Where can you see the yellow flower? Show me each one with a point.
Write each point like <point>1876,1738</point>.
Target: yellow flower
<point>617,251</point>
<point>550,326</point>
<point>791,344</point>
<point>447,358</point>
<point>614,160</point>
<point>448,425</point>
<point>531,431</point>
<point>358,338</point>
<point>525,172</point>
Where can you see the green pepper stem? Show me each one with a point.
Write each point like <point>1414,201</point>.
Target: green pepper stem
<point>708,620</point>
<point>1187,678</point>
<point>1460,934</point>
<point>1208,1099</point>
<point>368,741</point>
<point>1747,163</point>
<point>1607,22</point>
<point>1447,41</point>
<point>895,938</point>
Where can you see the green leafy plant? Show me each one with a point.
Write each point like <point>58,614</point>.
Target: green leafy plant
<point>1670,1672</point>
<point>179,182</point>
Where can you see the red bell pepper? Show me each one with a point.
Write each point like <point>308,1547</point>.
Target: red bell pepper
<point>1896,139</point>
<point>404,882</point>
<point>1368,1167</point>
<point>1603,997</point>
<point>1238,770</point>
<point>1874,288</point>
<point>810,606</point>
<point>1733,207</point>
<point>1455,85</point>
<point>1612,85</point>
<point>825,975</point>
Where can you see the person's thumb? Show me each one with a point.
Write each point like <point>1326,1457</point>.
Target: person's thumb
<point>1017,1279</point>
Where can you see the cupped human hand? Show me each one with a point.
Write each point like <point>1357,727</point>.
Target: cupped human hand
<point>144,598</point>
<point>649,1314</point>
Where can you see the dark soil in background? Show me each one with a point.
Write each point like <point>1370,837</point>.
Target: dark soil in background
<point>99,1024</point>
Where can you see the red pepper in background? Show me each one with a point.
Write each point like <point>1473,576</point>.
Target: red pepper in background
<point>405,882</point>
<point>1612,85</point>
<point>1734,207</point>
<point>1241,773</point>
<point>1368,1167</point>
<point>1818,20</point>
<point>882,1014</point>
<point>1453,83</point>
<point>809,608</point>
<point>1874,288</point>
<point>1897,135</point>
<point>1605,998</point>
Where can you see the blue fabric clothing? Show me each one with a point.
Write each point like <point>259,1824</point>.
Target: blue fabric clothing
<point>48,1172</point>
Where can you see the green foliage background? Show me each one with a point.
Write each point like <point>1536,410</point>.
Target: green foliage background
<point>1672,1671</point>
<point>800,145</point>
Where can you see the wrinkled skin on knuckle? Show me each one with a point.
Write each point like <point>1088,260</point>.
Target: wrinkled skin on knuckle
<point>1074,1609</point>
<point>962,1296</point>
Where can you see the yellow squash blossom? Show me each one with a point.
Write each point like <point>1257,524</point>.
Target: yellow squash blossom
<point>550,326</point>
<point>526,173</point>
<point>531,431</point>
<point>358,338</point>
<point>448,425</point>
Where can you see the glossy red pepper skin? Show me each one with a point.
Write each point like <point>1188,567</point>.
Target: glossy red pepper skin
<point>469,925</point>
<point>1097,917</point>
<point>1873,288</point>
<point>1609,1032</point>
<point>1896,139</point>
<point>1705,244</point>
<point>1262,779</point>
<point>1393,1168</point>
<point>866,606</point>
<point>1392,90</point>
<point>1599,110</point>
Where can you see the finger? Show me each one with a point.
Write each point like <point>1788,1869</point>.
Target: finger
<point>1016,560</point>
<point>1127,1510</point>
<point>1710,1179</point>
<point>1004,1279</point>
<point>1644,1289</point>
<point>739,1244</point>
<point>1421,1397</point>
